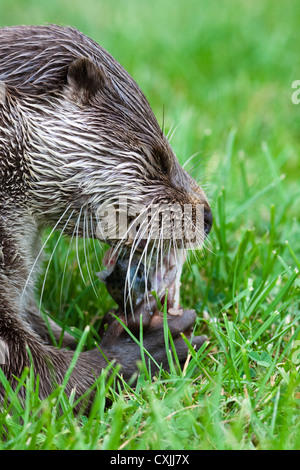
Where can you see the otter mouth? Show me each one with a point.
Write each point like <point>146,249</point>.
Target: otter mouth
<point>128,276</point>
<point>142,261</point>
<point>166,281</point>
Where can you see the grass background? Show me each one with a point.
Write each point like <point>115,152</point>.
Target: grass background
<point>222,73</point>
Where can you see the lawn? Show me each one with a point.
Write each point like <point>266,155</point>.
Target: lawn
<point>220,76</point>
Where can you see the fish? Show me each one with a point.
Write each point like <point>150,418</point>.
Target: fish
<point>130,281</point>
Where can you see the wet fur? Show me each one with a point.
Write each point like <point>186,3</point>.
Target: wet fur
<point>75,131</point>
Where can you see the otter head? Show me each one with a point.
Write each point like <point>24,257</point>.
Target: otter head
<point>98,163</point>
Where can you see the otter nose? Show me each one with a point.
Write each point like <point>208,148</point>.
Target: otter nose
<point>208,221</point>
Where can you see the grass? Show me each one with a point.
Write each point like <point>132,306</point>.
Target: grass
<point>224,76</point>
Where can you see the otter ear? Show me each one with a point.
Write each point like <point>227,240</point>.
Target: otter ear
<point>84,80</point>
<point>2,93</point>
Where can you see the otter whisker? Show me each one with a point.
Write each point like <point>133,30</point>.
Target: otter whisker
<point>116,248</point>
<point>200,250</point>
<point>191,158</point>
<point>138,237</point>
<point>65,266</point>
<point>192,171</point>
<point>143,229</point>
<point>160,252</point>
<point>143,256</point>
<point>41,250</point>
<point>50,259</point>
<point>171,132</point>
<point>85,238</point>
<point>76,245</point>
<point>94,241</point>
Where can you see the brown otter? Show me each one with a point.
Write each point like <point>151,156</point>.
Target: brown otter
<point>75,132</point>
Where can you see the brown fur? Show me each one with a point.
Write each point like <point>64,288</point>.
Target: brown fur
<point>75,130</point>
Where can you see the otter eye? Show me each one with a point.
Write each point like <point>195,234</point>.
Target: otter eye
<point>162,160</point>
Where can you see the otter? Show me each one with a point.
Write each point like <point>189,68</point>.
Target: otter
<point>129,282</point>
<point>76,132</point>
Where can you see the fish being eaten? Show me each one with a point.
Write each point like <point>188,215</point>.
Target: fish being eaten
<point>130,281</point>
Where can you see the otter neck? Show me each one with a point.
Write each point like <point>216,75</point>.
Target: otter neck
<point>12,167</point>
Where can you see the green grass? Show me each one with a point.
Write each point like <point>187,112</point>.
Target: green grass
<point>223,75</point>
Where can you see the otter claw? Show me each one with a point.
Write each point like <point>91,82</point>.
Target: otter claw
<point>176,312</point>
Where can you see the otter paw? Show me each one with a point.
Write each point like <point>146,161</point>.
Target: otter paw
<point>117,344</point>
